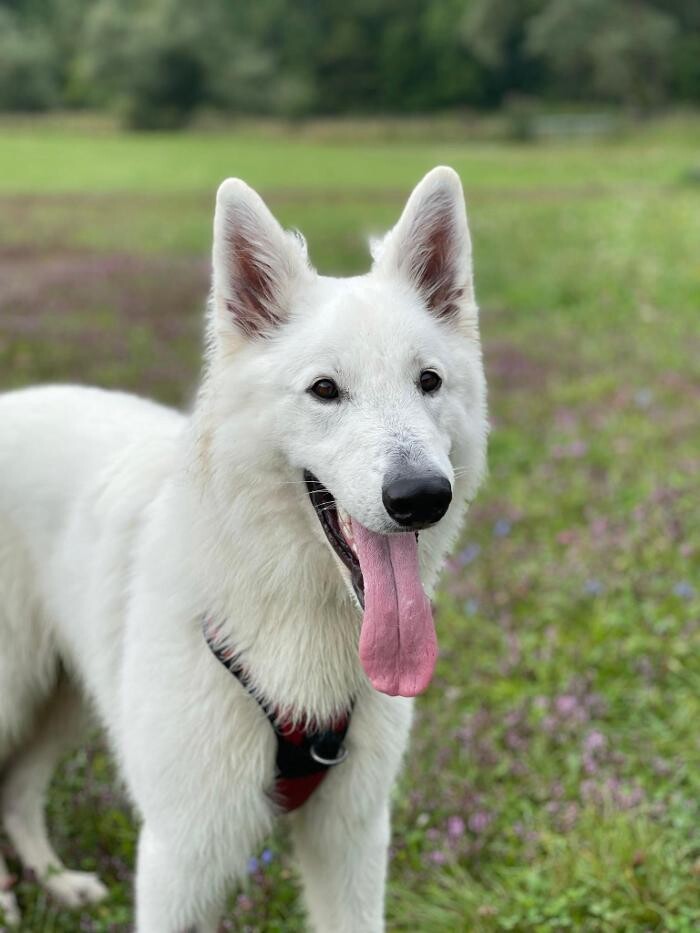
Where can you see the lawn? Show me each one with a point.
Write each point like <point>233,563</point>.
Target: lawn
<point>554,777</point>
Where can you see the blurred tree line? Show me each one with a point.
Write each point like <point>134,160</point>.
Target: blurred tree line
<point>157,61</point>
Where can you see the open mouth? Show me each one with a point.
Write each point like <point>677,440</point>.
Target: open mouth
<point>398,645</point>
<point>337,526</point>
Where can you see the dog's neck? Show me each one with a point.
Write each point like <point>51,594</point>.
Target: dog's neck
<point>270,582</point>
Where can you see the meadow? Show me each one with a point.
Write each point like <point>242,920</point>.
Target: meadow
<point>553,782</point>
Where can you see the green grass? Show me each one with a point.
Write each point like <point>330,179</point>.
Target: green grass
<point>41,160</point>
<point>554,777</point>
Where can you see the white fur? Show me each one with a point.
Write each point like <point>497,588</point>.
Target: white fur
<point>122,523</point>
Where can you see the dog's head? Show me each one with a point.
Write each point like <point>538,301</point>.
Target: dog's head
<point>371,390</point>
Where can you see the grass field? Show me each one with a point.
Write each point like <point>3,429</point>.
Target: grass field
<point>554,777</point>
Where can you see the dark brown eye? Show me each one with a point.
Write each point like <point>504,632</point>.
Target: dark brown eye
<point>430,381</point>
<point>325,389</point>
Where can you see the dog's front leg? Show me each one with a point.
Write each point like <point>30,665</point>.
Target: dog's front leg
<point>175,893</point>
<point>343,863</point>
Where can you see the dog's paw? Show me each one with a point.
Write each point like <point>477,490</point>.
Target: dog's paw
<point>9,911</point>
<point>76,888</point>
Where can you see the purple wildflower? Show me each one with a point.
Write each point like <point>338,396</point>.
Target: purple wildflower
<point>479,821</point>
<point>574,450</point>
<point>568,816</point>
<point>502,528</point>
<point>627,799</point>
<point>566,704</point>
<point>437,857</point>
<point>593,587</point>
<point>593,746</point>
<point>578,449</point>
<point>684,590</point>
<point>468,554</point>
<point>595,741</point>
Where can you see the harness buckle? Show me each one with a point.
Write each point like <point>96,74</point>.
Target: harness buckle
<point>328,762</point>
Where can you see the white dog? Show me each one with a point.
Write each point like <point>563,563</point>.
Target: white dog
<point>240,593</point>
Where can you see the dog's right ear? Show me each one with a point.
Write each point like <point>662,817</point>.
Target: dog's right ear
<point>257,265</point>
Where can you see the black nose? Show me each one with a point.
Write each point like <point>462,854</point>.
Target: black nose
<point>417,501</point>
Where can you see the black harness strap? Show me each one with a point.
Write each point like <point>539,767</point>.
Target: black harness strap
<point>303,757</point>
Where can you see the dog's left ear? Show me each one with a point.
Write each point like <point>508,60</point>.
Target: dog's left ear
<point>258,266</point>
<point>430,246</point>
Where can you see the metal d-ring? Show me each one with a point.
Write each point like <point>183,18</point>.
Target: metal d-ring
<point>329,762</point>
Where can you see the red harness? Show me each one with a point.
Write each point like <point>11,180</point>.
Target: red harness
<point>304,756</point>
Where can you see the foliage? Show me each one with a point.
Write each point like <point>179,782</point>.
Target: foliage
<point>615,51</point>
<point>150,59</point>
<point>157,62</point>
<point>28,79</point>
<point>554,775</point>
<point>686,67</point>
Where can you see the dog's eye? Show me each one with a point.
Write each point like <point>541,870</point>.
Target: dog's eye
<point>325,389</point>
<point>429,381</point>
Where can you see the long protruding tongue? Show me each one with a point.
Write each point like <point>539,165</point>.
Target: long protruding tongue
<point>398,646</point>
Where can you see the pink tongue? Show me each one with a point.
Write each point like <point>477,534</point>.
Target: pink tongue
<point>398,646</point>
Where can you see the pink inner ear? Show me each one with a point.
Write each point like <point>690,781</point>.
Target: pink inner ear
<point>252,304</point>
<point>432,256</point>
<point>437,277</point>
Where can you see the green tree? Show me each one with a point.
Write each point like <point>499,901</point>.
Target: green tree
<point>157,61</point>
<point>148,60</point>
<point>496,33</point>
<point>28,73</point>
<point>614,50</point>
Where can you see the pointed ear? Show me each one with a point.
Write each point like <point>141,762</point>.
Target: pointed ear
<point>257,265</point>
<point>430,246</point>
